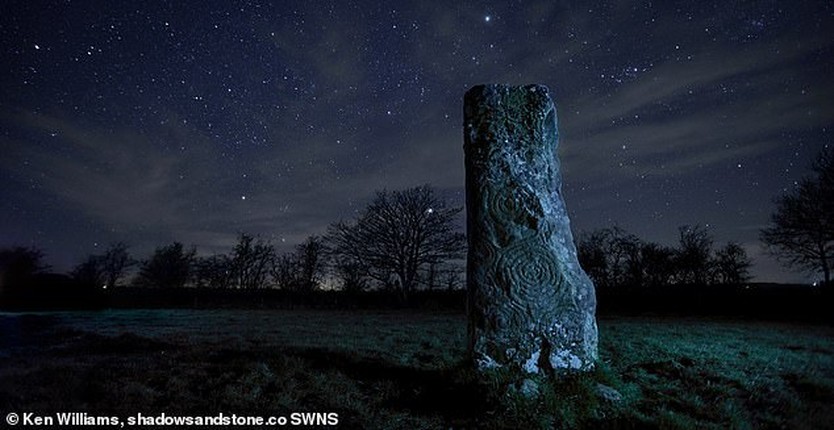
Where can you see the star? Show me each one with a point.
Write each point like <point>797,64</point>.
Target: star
<point>303,106</point>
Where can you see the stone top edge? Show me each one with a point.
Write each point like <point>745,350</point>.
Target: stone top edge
<point>493,88</point>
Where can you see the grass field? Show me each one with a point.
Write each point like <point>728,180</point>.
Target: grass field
<point>404,370</point>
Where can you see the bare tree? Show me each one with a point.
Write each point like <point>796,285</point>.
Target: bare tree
<point>310,256</point>
<point>399,233</point>
<point>285,271</point>
<point>801,231</point>
<point>90,272</point>
<point>114,262</point>
<point>250,263</point>
<point>451,276</point>
<point>212,272</point>
<point>104,270</point>
<point>658,264</point>
<point>431,276</point>
<point>591,249</point>
<point>351,274</point>
<point>693,256</point>
<point>732,265</point>
<point>19,264</point>
<point>303,269</point>
<point>170,266</point>
<point>442,275</point>
<point>611,257</point>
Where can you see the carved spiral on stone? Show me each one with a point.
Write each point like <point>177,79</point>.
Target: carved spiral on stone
<point>529,270</point>
<point>484,252</point>
<point>511,209</point>
<point>504,206</point>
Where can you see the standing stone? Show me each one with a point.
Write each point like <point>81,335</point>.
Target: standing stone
<point>531,306</point>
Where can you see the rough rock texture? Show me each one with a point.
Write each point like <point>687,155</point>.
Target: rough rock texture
<point>531,306</point>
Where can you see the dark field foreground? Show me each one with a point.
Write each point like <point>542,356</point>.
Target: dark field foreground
<point>403,370</point>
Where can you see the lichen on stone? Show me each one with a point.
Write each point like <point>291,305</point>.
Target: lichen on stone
<point>531,305</point>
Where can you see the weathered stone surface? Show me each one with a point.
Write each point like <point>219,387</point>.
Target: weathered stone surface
<point>531,306</point>
<point>608,394</point>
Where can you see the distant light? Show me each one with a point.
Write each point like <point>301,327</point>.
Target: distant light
<point>37,46</point>
<point>243,197</point>
<point>430,211</point>
<point>104,287</point>
<point>487,18</point>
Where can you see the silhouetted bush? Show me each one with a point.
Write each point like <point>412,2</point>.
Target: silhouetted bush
<point>616,259</point>
<point>169,267</point>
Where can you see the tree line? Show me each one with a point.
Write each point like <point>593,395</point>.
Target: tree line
<point>799,233</point>
<point>405,240</point>
<point>402,241</point>
<point>614,258</point>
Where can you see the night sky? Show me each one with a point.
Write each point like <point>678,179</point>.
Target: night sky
<point>148,122</point>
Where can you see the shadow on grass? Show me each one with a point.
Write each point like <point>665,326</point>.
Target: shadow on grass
<point>451,392</point>
<point>462,398</point>
<point>716,376</point>
<point>128,373</point>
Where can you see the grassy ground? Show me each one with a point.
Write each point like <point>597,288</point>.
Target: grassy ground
<point>403,370</point>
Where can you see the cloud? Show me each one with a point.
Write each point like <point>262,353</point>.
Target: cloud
<point>665,135</point>
<point>112,176</point>
<point>127,181</point>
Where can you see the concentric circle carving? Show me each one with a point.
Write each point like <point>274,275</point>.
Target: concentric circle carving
<point>511,209</point>
<point>504,206</point>
<point>528,269</point>
<point>484,253</point>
